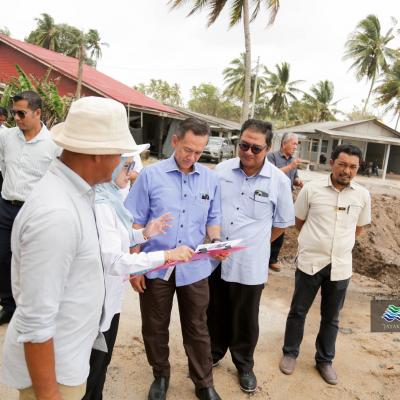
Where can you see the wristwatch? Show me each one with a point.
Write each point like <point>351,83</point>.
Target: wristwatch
<point>215,240</point>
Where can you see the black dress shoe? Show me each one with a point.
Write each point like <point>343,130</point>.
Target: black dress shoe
<point>208,393</point>
<point>248,381</point>
<point>158,389</point>
<point>5,316</point>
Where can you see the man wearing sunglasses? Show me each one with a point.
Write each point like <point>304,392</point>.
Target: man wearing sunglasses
<point>284,159</point>
<point>26,152</point>
<point>257,205</point>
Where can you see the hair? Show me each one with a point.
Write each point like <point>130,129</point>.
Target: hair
<point>199,128</point>
<point>33,99</point>
<point>4,112</point>
<point>259,126</point>
<point>349,149</point>
<point>287,136</point>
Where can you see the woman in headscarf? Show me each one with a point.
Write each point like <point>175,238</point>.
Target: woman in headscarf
<point>116,237</point>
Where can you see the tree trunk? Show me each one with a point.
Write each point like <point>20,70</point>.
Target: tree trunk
<point>80,73</point>
<point>369,95</point>
<point>247,61</point>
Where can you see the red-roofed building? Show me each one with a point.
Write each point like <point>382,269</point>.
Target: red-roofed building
<point>149,119</point>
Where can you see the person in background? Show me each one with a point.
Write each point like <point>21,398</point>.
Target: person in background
<point>3,119</point>
<point>116,236</point>
<point>26,152</point>
<point>284,160</point>
<point>330,214</point>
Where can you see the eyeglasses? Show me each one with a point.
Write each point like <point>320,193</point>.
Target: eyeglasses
<point>129,167</point>
<point>255,149</point>
<point>21,113</point>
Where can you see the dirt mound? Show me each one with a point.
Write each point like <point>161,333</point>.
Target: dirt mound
<point>377,251</point>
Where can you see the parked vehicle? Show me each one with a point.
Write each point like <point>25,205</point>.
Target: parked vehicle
<point>218,148</point>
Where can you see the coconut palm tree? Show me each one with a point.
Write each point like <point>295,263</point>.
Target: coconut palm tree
<point>239,11</point>
<point>234,77</point>
<point>320,100</point>
<point>46,34</point>
<point>389,90</point>
<point>280,88</point>
<point>369,50</point>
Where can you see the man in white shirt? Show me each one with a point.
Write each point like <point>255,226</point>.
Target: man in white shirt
<point>26,152</point>
<point>3,119</point>
<point>330,213</point>
<point>57,274</point>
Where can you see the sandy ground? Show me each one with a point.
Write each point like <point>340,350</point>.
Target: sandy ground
<point>368,364</point>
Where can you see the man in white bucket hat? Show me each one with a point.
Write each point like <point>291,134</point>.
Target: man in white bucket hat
<point>57,275</point>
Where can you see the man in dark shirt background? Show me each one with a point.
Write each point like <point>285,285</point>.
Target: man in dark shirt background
<point>284,160</point>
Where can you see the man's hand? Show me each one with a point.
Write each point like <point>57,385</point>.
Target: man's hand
<point>295,163</point>
<point>138,283</point>
<point>298,183</point>
<point>221,256</point>
<point>181,253</point>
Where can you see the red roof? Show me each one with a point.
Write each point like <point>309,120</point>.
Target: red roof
<point>91,78</point>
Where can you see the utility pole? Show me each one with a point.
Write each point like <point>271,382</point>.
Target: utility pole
<point>255,89</point>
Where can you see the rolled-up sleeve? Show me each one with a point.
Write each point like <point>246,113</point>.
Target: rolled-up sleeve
<point>365,215</point>
<point>47,251</point>
<point>115,260</point>
<point>214,212</point>
<point>284,209</point>
<point>138,200</point>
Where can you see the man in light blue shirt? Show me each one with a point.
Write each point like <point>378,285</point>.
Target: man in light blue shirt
<point>257,206</point>
<point>190,192</point>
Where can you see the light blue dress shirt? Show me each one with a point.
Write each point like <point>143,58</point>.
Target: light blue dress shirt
<point>251,206</point>
<point>194,202</point>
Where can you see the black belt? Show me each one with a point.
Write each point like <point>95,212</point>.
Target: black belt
<point>16,203</point>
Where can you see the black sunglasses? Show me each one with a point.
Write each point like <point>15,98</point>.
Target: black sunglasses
<point>21,113</point>
<point>255,149</point>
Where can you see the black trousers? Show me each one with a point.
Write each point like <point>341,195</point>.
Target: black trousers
<point>333,294</point>
<point>99,361</point>
<point>233,320</point>
<point>155,307</point>
<point>8,212</point>
<point>276,248</point>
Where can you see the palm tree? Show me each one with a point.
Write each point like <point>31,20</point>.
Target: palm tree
<point>321,101</point>
<point>389,90</point>
<point>239,10</point>
<point>280,88</point>
<point>369,51</point>
<point>46,34</point>
<point>234,77</point>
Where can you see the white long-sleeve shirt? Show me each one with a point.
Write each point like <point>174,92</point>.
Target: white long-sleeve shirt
<point>24,163</point>
<point>57,278</point>
<point>117,261</point>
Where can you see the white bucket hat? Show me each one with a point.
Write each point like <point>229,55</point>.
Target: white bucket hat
<point>95,125</point>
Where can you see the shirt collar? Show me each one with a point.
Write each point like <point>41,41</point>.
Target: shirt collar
<point>265,170</point>
<point>284,156</point>
<point>171,165</point>
<point>78,184</point>
<point>42,135</point>
<point>329,183</point>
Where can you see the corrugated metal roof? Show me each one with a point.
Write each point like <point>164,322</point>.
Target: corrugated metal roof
<point>214,122</point>
<point>91,78</point>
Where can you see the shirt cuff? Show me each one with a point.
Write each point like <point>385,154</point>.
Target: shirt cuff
<point>282,224</point>
<point>138,236</point>
<point>156,258</point>
<point>39,336</point>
